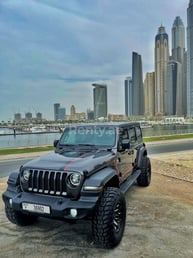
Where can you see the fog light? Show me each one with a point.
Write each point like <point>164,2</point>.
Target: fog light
<point>10,202</point>
<point>73,212</point>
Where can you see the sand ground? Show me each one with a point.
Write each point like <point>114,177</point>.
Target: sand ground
<point>159,221</point>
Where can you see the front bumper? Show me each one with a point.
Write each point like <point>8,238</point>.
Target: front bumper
<point>59,207</point>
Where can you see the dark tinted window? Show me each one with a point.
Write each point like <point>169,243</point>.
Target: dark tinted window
<point>132,135</point>
<point>138,133</point>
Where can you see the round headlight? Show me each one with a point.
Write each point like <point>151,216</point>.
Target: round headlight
<point>75,179</point>
<point>26,175</point>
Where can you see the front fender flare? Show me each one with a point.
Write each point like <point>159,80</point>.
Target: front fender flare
<point>101,178</point>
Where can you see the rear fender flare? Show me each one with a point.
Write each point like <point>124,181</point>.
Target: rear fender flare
<point>141,152</point>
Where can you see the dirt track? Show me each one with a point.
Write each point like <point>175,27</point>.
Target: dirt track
<point>159,224</point>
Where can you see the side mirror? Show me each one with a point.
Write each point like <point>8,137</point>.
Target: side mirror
<point>55,143</point>
<point>125,144</point>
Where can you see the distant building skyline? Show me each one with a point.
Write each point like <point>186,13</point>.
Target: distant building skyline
<point>172,78</point>
<point>28,117</point>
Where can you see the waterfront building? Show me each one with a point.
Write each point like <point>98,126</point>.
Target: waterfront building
<point>100,100</point>
<point>190,59</point>
<point>178,40</point>
<point>128,97</point>
<point>28,116</point>
<point>137,85</point>
<point>117,117</point>
<point>76,117</point>
<point>184,89</point>
<point>161,60</point>
<point>62,113</point>
<point>179,78</point>
<point>173,89</point>
<point>56,111</point>
<point>149,94</point>
<point>39,116</point>
<point>72,110</point>
<point>17,117</point>
<point>90,114</point>
<point>81,116</point>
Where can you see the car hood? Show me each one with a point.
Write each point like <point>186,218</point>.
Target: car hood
<point>88,161</point>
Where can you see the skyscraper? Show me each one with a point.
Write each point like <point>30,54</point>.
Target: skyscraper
<point>161,60</point>
<point>62,113</point>
<point>149,94</point>
<point>100,100</point>
<point>178,57</point>
<point>137,85</point>
<point>72,110</point>
<point>178,40</point>
<point>190,59</point>
<point>173,89</point>
<point>56,111</point>
<point>128,97</point>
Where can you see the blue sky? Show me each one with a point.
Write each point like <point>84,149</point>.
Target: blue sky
<point>51,51</point>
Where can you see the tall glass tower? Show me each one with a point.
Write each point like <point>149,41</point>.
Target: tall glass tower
<point>190,60</point>
<point>178,40</point>
<point>137,85</point>
<point>56,111</point>
<point>100,100</point>
<point>149,94</point>
<point>175,85</point>
<point>161,60</point>
<point>128,97</point>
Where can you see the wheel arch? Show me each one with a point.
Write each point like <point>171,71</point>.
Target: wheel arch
<point>141,152</point>
<point>113,182</point>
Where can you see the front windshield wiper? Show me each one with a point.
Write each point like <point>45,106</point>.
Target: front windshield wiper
<point>86,144</point>
<point>62,147</point>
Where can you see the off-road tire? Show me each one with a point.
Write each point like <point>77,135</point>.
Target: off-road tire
<point>109,219</point>
<point>144,178</point>
<point>18,218</point>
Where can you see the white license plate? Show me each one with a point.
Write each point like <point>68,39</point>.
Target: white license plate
<point>36,208</point>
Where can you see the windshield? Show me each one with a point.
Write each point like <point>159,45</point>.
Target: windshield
<point>89,136</point>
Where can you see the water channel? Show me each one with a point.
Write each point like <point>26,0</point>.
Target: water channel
<point>40,139</point>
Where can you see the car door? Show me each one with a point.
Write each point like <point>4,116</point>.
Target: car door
<point>125,156</point>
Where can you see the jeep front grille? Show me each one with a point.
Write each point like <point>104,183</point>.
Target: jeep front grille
<point>47,182</point>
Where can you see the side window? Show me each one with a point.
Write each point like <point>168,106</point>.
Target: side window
<point>132,135</point>
<point>123,134</point>
<point>139,133</point>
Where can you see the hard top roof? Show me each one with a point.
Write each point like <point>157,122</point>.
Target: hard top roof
<point>105,124</point>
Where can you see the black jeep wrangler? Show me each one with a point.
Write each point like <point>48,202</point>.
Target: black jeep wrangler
<point>93,165</point>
